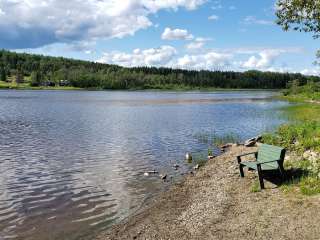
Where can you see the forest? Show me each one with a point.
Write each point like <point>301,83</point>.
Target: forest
<point>38,70</point>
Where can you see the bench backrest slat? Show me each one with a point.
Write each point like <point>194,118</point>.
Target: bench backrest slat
<point>268,152</point>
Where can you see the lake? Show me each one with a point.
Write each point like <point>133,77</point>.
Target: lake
<point>72,162</point>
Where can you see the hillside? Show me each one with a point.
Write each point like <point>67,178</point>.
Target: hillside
<point>37,70</point>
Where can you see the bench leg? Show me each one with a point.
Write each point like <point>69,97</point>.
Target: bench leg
<point>260,176</point>
<point>283,173</point>
<point>241,170</point>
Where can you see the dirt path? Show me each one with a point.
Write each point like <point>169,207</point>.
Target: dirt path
<point>217,204</point>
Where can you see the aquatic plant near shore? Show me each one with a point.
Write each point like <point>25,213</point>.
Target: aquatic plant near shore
<point>213,139</point>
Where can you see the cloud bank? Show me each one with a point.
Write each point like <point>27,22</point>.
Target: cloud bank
<point>33,23</point>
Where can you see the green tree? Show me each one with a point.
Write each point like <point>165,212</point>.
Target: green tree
<point>19,77</point>
<point>299,15</point>
<point>36,79</point>
<point>3,74</point>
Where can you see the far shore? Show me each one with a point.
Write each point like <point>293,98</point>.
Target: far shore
<point>26,86</point>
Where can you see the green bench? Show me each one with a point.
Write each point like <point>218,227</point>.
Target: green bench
<point>268,158</point>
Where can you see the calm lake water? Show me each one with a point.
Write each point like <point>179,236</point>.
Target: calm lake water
<point>72,163</point>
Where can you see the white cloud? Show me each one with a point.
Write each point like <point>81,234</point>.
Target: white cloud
<point>253,20</point>
<point>239,59</point>
<point>216,5</point>
<point>176,34</point>
<point>34,23</point>
<point>167,56</point>
<point>149,57</point>
<point>213,17</point>
<point>198,43</point>
<point>311,72</point>
<point>209,61</point>
<point>265,58</point>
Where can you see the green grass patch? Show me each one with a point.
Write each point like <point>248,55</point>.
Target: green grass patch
<point>301,134</point>
<point>213,139</point>
<point>310,186</point>
<point>26,86</point>
<point>255,187</point>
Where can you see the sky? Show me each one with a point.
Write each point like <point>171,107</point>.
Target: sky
<point>236,35</point>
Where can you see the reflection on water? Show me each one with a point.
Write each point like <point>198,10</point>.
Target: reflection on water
<point>71,162</point>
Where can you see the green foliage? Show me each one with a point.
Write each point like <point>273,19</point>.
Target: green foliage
<point>309,91</point>
<point>83,74</point>
<point>210,152</point>
<point>296,137</point>
<point>3,75</point>
<point>301,135</point>
<point>213,139</point>
<point>310,186</point>
<point>299,15</point>
<point>255,187</point>
<point>36,79</point>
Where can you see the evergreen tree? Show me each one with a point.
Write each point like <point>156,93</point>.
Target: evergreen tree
<point>3,74</point>
<point>36,79</point>
<point>19,77</point>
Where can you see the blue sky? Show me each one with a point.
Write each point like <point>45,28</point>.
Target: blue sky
<point>192,34</point>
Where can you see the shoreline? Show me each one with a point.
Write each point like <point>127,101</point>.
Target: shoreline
<point>23,86</point>
<point>215,203</point>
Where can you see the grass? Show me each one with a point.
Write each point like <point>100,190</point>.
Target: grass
<point>300,135</point>
<point>26,86</point>
<point>213,139</point>
<point>310,186</point>
<point>255,187</point>
<point>307,92</point>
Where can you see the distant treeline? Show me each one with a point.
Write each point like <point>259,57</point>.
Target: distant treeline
<point>40,69</point>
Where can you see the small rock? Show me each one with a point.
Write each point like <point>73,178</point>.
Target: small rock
<point>258,138</point>
<point>249,143</point>
<point>211,157</point>
<point>251,139</point>
<point>306,154</point>
<point>176,166</point>
<point>188,156</point>
<point>196,167</point>
<point>163,176</point>
<point>226,145</point>
<point>150,173</point>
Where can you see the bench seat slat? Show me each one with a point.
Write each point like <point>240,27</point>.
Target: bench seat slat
<point>253,165</point>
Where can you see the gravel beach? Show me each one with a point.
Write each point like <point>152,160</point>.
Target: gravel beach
<point>215,203</point>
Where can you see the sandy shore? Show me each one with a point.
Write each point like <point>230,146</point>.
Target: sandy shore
<point>216,203</point>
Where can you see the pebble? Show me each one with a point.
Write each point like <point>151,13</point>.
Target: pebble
<point>163,176</point>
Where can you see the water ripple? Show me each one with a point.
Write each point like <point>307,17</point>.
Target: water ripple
<point>72,163</point>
